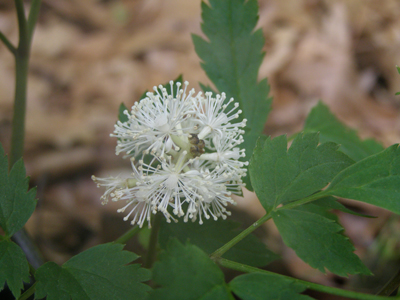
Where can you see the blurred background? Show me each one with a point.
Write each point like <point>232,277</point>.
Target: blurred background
<point>89,56</point>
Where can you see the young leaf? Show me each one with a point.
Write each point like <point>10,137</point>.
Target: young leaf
<point>98,273</point>
<point>280,175</point>
<point>232,58</point>
<point>331,129</point>
<point>258,286</point>
<point>13,267</point>
<point>318,241</point>
<point>374,180</point>
<point>186,273</point>
<point>16,203</point>
<point>212,235</point>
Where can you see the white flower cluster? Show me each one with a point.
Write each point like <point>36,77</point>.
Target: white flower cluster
<point>189,160</point>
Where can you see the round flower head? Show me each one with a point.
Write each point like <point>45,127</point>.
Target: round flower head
<point>190,156</point>
<point>213,118</point>
<point>153,120</point>
<point>226,155</point>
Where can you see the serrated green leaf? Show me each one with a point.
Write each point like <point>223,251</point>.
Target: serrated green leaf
<point>16,202</point>
<point>232,57</point>
<point>374,180</point>
<point>258,286</point>
<point>331,129</point>
<point>280,175</point>
<point>212,235</point>
<point>98,273</point>
<point>13,267</point>
<point>185,272</point>
<point>318,241</point>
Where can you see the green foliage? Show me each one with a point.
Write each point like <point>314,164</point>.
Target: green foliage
<point>331,129</point>
<point>232,57</point>
<point>185,272</point>
<point>121,116</point>
<point>13,267</point>
<point>374,180</point>
<point>318,241</point>
<point>16,203</point>
<point>280,175</point>
<point>211,235</point>
<point>332,203</point>
<point>258,286</point>
<point>98,273</point>
<point>319,210</point>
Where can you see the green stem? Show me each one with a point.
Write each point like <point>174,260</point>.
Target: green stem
<point>21,80</point>
<point>127,235</point>
<point>391,286</point>
<point>8,44</point>
<point>32,269</point>
<point>152,249</point>
<point>184,145</point>
<point>219,252</point>
<point>22,24</point>
<point>313,286</point>
<point>29,292</point>
<point>21,54</point>
<point>18,122</point>
<point>32,18</point>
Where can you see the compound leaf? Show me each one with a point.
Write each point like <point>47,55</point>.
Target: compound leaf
<point>331,129</point>
<point>232,57</point>
<point>185,272</point>
<point>13,267</point>
<point>318,241</point>
<point>16,202</point>
<point>212,235</point>
<point>280,175</point>
<point>98,273</point>
<point>374,180</point>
